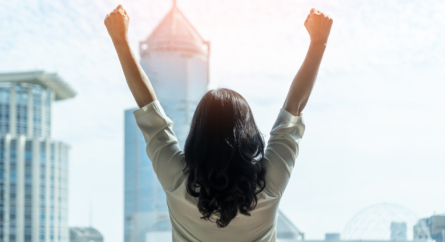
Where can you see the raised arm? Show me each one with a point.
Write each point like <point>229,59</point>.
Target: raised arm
<point>319,26</point>
<point>140,86</point>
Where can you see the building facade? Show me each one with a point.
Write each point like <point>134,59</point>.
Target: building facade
<point>33,167</point>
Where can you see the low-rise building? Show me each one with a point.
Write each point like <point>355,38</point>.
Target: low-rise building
<point>398,231</point>
<point>85,234</point>
<point>435,225</point>
<point>332,236</point>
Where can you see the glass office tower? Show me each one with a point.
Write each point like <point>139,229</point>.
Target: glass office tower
<point>33,167</point>
<point>176,59</point>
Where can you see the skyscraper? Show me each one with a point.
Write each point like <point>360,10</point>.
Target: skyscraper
<point>176,59</point>
<point>33,167</point>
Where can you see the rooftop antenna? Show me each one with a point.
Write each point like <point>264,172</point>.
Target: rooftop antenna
<point>91,214</point>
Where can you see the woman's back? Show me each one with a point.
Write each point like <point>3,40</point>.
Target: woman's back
<point>169,163</point>
<point>187,226</point>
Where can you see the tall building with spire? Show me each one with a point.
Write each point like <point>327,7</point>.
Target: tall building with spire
<point>176,60</point>
<point>33,167</point>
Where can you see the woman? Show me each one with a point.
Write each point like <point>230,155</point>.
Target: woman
<point>224,186</point>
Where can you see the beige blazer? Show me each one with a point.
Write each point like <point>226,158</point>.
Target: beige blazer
<point>168,163</point>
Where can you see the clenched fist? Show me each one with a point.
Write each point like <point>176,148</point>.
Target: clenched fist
<point>117,24</point>
<point>318,25</point>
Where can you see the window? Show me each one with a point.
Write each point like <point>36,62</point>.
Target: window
<point>37,110</point>
<point>4,109</point>
<point>21,94</point>
<point>48,112</point>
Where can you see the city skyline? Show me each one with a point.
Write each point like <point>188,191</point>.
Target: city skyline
<point>374,122</point>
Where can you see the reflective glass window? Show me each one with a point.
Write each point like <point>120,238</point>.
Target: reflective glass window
<point>4,109</point>
<point>37,109</point>
<point>21,96</point>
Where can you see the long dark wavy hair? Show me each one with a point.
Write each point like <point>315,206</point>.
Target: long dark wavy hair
<point>224,155</point>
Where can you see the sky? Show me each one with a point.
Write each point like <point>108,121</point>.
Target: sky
<point>374,123</point>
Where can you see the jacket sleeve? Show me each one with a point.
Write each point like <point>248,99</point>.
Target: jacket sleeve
<point>281,152</point>
<point>162,145</point>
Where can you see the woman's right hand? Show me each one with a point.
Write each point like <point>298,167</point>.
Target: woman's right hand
<point>319,26</point>
<point>117,24</point>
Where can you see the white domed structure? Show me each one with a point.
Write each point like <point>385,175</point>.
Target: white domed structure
<point>374,222</point>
